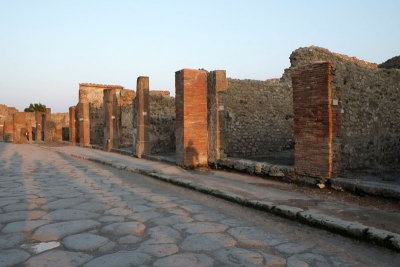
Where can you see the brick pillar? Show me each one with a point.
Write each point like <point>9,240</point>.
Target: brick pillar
<point>216,82</point>
<point>9,131</point>
<point>19,120</point>
<point>72,125</point>
<point>112,131</point>
<point>84,124</point>
<point>39,125</point>
<point>316,123</point>
<point>191,117</point>
<point>28,127</point>
<point>142,110</point>
<point>1,130</point>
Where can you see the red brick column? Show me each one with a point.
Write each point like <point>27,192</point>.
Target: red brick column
<point>84,124</point>
<point>9,131</point>
<point>72,125</point>
<point>39,125</point>
<point>1,130</point>
<point>216,82</point>
<point>142,110</point>
<point>191,117</point>
<point>112,119</point>
<point>316,123</point>
<point>19,120</point>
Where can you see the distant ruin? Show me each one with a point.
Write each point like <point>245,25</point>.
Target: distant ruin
<point>327,114</point>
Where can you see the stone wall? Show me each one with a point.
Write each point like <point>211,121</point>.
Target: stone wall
<point>256,117</point>
<point>6,113</point>
<point>162,122</point>
<point>54,124</point>
<point>93,94</point>
<point>126,101</point>
<point>368,98</point>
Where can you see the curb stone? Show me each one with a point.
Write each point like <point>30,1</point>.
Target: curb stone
<point>351,229</point>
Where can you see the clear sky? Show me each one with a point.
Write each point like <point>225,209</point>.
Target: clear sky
<point>48,47</point>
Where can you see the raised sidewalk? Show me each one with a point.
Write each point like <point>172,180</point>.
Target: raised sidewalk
<point>365,218</point>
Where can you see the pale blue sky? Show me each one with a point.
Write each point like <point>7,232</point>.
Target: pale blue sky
<point>48,47</point>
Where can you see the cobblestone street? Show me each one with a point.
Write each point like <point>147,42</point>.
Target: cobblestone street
<point>57,210</point>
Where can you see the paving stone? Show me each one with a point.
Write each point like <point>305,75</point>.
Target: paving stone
<point>273,260</point>
<point>207,241</point>
<point>125,228</point>
<point>253,237</point>
<point>138,208</point>
<point>10,240</point>
<point>20,206</point>
<point>158,250</point>
<point>59,258</point>
<point>37,248</point>
<point>129,239</point>
<point>91,206</point>
<point>211,217</point>
<point>201,227</point>
<point>164,234</point>
<point>4,201</point>
<point>69,214</point>
<point>121,258</point>
<point>291,248</point>
<point>107,247</point>
<point>84,242</point>
<point>12,257</point>
<point>21,215</point>
<point>23,226</point>
<point>64,203</point>
<point>56,231</point>
<point>110,218</point>
<point>310,259</point>
<point>144,216</point>
<point>119,212</point>
<point>239,257</point>
<point>174,219</point>
<point>185,259</point>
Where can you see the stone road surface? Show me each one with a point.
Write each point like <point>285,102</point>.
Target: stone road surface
<point>61,211</point>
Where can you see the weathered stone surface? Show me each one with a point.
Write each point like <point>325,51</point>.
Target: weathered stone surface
<point>291,248</point>
<point>129,239</point>
<point>185,259</point>
<point>56,231</point>
<point>174,219</point>
<point>119,212</point>
<point>84,242</point>
<point>121,258</point>
<point>306,259</point>
<point>12,257</point>
<point>21,215</point>
<point>111,218</point>
<point>36,248</point>
<point>164,234</point>
<point>201,227</point>
<point>23,226</point>
<point>20,206</point>
<point>64,203</point>
<point>133,228</point>
<point>92,206</point>
<point>158,250</point>
<point>144,216</point>
<point>207,242</point>
<point>239,257</point>
<point>254,237</point>
<point>58,258</point>
<point>10,240</point>
<point>69,214</point>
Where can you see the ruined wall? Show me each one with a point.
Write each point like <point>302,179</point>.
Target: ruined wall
<point>126,103</point>
<point>93,95</point>
<point>54,124</point>
<point>369,102</point>
<point>256,117</point>
<point>6,113</point>
<point>162,122</point>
